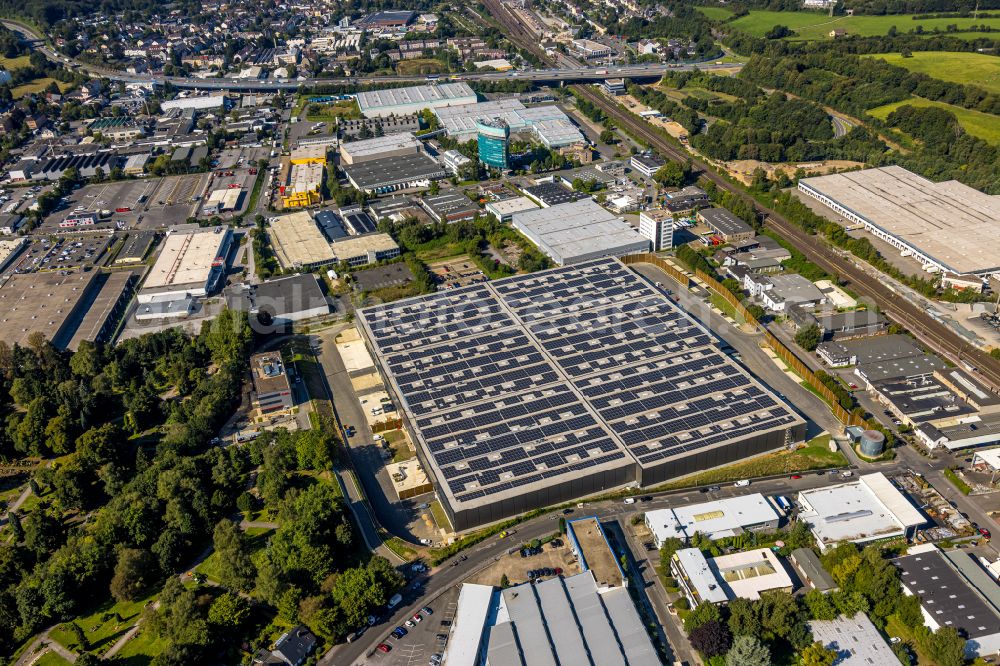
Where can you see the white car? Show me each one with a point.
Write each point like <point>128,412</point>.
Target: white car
<point>742,483</point>
<point>378,438</point>
<point>425,542</point>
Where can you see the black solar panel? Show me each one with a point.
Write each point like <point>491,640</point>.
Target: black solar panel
<point>541,376</point>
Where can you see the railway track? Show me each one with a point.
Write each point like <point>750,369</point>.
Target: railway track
<point>936,335</point>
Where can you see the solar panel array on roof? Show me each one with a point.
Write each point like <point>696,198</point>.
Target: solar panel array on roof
<point>531,381</point>
<point>359,221</point>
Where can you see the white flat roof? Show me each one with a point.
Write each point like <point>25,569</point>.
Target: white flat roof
<point>751,572</point>
<point>700,576</point>
<point>716,519</point>
<point>863,510</point>
<point>953,224</point>
<point>186,258</point>
<point>416,96</point>
<point>379,144</point>
<point>511,206</point>
<point>578,230</point>
<point>990,456</point>
<point>467,629</point>
<point>855,640</point>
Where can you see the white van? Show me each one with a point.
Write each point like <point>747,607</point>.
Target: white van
<point>630,500</point>
<point>742,483</point>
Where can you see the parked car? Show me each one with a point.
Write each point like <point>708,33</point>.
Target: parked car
<point>985,532</point>
<point>384,647</point>
<point>410,624</point>
<point>425,542</point>
<point>426,610</point>
<point>630,500</point>
<point>714,489</point>
<point>742,483</point>
<point>796,476</point>
<point>417,618</point>
<point>399,632</point>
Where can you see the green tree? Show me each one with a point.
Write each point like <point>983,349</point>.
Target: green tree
<point>672,174</point>
<point>809,337</point>
<point>945,646</point>
<point>701,614</point>
<point>608,136</point>
<point>744,617</point>
<point>712,639</point>
<point>228,611</point>
<point>133,573</point>
<point>819,605</point>
<point>236,570</point>
<point>748,651</point>
<point>817,655</point>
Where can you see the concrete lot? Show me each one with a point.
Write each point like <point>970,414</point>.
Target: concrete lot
<point>456,272</point>
<point>516,568</point>
<point>425,639</point>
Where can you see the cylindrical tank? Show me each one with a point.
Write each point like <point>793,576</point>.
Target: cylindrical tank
<point>872,443</point>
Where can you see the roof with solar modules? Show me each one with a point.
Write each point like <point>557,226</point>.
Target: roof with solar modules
<point>520,384</point>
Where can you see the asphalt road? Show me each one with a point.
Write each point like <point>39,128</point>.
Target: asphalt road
<point>551,75</point>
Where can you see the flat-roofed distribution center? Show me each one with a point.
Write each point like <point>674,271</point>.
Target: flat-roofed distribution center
<point>542,388</point>
<point>948,225</point>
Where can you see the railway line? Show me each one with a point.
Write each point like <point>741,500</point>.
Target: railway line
<point>936,335</point>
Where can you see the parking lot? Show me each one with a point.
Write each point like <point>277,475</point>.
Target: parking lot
<point>63,253</point>
<point>423,640</point>
<point>226,179</point>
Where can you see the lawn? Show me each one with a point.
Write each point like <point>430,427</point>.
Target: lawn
<point>440,517</point>
<point>15,63</point>
<point>727,308</point>
<point>320,111</point>
<point>716,13</point>
<point>211,567</point>
<point>816,454</point>
<point>419,66</point>
<point>817,26</point>
<point>37,86</point>
<point>141,650</point>
<point>984,125</point>
<point>962,486</point>
<point>436,251</point>
<point>50,658</point>
<point>976,69</point>
<point>104,626</point>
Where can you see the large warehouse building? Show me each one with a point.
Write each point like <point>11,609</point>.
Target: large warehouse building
<point>947,226</point>
<point>298,242</point>
<point>548,124</point>
<point>577,231</point>
<point>543,388</point>
<point>50,303</point>
<point>404,101</point>
<point>191,263</point>
<point>392,145</point>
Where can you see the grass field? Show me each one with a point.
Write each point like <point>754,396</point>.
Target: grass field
<point>419,66</point>
<point>976,69</point>
<point>811,26</point>
<point>37,86</point>
<point>141,650</point>
<point>347,109</point>
<point>257,537</point>
<point>104,626</point>
<point>14,63</point>
<point>984,125</point>
<point>816,454</point>
<point>715,13</point>
<point>50,658</point>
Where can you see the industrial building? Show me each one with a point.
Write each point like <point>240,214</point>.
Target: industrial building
<point>573,232</point>
<point>364,250</point>
<point>283,301</point>
<point>946,226</point>
<point>10,249</point>
<point>517,398</point>
<point>810,570</point>
<point>198,102</point>
<point>716,519</point>
<point>686,200</point>
<point>568,620</point>
<point>223,200</point>
<point>272,394</point>
<point>956,592</point>
<point>389,174</point>
<point>298,243</point>
<point>590,545</point>
<point>493,140</point>
<point>549,125</point>
<point>450,207</point>
<point>330,224</point>
<point>780,292</point>
<point>646,164</point>
<point>50,303</point>
<point>862,351</point>
<point>725,225</point>
<point>391,145</point>
<point>855,640</point>
<point>105,306</point>
<point>405,101</point>
<point>303,187</point>
<point>505,209</point>
<point>868,509</point>
<point>191,263</point>
<point>657,225</point>
<point>742,575</point>
<point>550,193</point>
<point>309,154</point>
<point>453,161</point>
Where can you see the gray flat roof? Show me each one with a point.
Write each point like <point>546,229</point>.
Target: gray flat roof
<point>390,275</point>
<point>807,560</point>
<point>417,96</point>
<point>946,596</point>
<point>390,171</point>
<point>908,366</point>
<point>873,349</point>
<point>579,230</point>
<point>724,221</point>
<point>951,223</point>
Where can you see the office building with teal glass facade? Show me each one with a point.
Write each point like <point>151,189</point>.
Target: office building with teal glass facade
<point>494,142</point>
